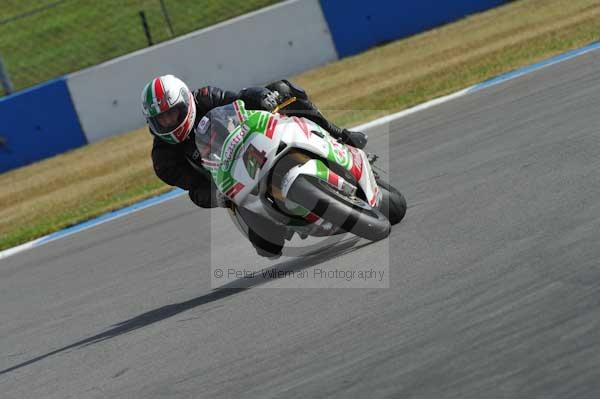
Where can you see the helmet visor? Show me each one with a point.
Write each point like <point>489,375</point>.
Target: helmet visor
<point>165,122</point>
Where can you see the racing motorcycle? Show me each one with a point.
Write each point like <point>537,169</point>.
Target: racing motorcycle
<point>290,171</point>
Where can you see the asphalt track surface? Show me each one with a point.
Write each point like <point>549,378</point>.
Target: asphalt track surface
<point>494,284</point>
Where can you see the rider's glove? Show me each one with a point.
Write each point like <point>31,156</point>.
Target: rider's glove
<point>270,100</point>
<point>259,98</point>
<point>355,139</point>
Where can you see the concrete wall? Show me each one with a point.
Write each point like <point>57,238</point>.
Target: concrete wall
<point>37,123</point>
<point>359,25</point>
<point>272,43</point>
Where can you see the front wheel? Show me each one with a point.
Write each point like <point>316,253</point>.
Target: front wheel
<point>393,203</point>
<point>351,214</point>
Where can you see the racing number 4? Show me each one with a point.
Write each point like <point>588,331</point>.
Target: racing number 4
<point>254,160</point>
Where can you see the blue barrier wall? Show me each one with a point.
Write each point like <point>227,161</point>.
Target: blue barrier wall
<point>37,123</point>
<point>357,25</point>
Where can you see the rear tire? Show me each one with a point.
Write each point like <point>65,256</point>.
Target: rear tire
<point>352,215</point>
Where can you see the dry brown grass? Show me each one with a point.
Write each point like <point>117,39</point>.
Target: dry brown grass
<point>57,192</point>
<point>451,57</point>
<point>75,186</point>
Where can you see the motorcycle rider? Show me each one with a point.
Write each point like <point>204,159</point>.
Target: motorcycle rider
<point>173,112</point>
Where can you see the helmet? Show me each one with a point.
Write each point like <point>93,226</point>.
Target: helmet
<point>169,108</point>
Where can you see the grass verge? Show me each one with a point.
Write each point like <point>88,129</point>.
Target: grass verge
<point>67,189</point>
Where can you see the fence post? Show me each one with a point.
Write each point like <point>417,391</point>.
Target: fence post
<point>167,16</point>
<point>146,28</point>
<point>6,83</point>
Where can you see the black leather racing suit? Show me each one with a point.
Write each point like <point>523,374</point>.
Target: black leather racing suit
<point>179,164</point>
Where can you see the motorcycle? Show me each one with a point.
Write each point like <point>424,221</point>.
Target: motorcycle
<point>287,171</point>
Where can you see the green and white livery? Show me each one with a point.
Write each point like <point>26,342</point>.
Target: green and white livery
<point>288,170</point>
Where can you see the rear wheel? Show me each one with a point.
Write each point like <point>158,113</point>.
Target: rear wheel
<point>349,213</point>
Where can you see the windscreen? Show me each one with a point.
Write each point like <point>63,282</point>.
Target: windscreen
<point>212,133</point>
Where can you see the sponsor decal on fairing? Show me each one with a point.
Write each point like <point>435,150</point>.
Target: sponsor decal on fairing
<point>231,146</point>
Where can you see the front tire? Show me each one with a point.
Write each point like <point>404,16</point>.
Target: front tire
<point>393,203</point>
<point>352,215</point>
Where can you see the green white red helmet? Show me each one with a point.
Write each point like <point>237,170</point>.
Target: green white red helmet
<point>162,94</point>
